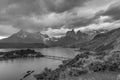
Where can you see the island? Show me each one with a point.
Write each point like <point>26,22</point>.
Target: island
<point>24,53</point>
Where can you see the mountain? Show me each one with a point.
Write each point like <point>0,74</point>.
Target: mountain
<point>24,39</point>
<point>71,34</point>
<point>80,35</point>
<point>71,37</point>
<point>107,42</point>
<point>87,36</point>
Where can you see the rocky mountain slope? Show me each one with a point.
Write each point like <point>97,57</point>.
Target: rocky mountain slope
<point>109,41</point>
<point>71,37</point>
<point>26,37</point>
<point>23,39</point>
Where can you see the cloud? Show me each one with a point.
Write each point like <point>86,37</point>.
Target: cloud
<point>102,18</point>
<point>6,30</point>
<point>28,7</point>
<point>79,22</point>
<point>39,23</point>
<point>113,11</point>
<point>107,18</point>
<point>63,5</point>
<point>103,25</point>
<point>38,14</point>
<point>3,3</point>
<point>56,32</point>
<point>56,15</point>
<point>24,7</point>
<point>52,20</point>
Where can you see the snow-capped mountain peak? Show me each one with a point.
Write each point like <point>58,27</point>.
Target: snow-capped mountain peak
<point>27,37</point>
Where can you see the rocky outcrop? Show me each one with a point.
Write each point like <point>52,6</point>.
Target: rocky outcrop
<point>71,38</point>
<point>71,34</point>
<point>81,35</point>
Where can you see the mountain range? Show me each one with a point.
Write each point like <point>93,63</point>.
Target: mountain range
<point>95,40</point>
<point>26,37</point>
<point>71,37</point>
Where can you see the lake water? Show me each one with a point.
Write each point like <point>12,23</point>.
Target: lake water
<point>16,69</point>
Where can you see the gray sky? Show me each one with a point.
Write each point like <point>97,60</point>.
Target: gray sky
<point>55,17</point>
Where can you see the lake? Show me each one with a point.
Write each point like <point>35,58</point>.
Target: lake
<point>16,69</point>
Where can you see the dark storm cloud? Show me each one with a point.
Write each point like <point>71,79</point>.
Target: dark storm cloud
<point>55,14</point>
<point>19,1</point>
<point>38,7</point>
<point>26,7</point>
<point>113,11</point>
<point>44,6</point>
<point>63,5</point>
<point>79,23</point>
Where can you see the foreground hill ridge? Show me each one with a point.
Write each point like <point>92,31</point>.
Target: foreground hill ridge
<point>108,42</point>
<point>85,66</point>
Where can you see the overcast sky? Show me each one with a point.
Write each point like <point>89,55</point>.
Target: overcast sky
<point>55,17</point>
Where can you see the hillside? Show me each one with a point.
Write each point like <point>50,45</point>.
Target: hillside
<point>108,41</point>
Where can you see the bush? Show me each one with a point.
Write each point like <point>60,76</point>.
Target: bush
<point>97,66</point>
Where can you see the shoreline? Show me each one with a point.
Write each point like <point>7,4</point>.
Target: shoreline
<point>82,64</point>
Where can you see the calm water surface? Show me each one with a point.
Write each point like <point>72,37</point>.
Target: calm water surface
<point>16,69</point>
